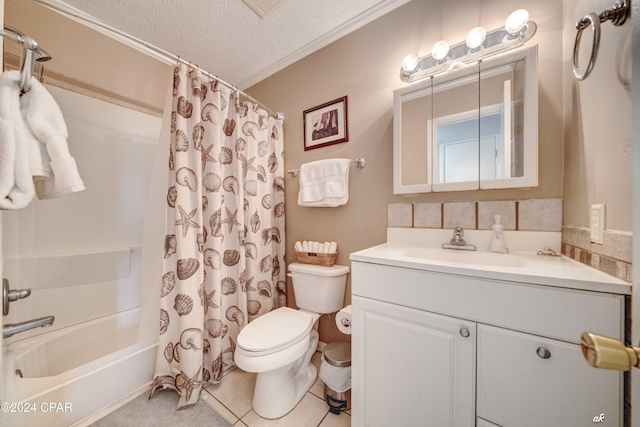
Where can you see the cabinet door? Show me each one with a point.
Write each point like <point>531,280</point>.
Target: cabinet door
<point>526,380</point>
<point>411,367</point>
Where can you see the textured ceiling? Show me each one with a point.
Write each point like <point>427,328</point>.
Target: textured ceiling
<point>227,38</point>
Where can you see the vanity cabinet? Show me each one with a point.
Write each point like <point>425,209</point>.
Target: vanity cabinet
<point>437,349</point>
<point>413,366</point>
<point>527,380</point>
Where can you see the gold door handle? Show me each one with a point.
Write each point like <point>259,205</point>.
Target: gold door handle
<point>608,353</point>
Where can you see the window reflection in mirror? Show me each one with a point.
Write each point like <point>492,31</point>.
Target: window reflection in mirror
<point>457,145</point>
<point>454,131</point>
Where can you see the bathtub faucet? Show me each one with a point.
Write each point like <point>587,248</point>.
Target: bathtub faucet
<point>11,329</point>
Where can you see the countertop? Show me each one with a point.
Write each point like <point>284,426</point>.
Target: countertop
<point>523,267</point>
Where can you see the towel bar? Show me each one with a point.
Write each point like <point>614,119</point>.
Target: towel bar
<point>360,162</point>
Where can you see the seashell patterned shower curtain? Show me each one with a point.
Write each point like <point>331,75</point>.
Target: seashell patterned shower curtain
<point>224,244</point>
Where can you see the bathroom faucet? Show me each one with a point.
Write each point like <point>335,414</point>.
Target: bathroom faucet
<point>11,329</point>
<point>457,241</point>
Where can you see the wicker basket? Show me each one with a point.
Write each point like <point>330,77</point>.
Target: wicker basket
<point>317,258</point>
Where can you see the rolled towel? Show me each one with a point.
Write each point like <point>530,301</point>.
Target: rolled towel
<point>322,249</point>
<point>16,184</point>
<point>333,248</point>
<point>46,122</point>
<point>298,247</point>
<point>305,246</point>
<point>314,246</point>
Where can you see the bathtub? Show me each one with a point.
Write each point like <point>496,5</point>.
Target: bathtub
<point>61,378</point>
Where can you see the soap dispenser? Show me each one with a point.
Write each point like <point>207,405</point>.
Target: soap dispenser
<point>497,243</point>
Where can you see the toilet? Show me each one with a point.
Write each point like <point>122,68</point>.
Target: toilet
<point>278,345</point>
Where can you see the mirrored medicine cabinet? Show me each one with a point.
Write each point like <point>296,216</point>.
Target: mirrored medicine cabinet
<point>475,128</point>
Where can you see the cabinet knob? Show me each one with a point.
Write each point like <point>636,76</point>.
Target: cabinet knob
<point>464,332</point>
<point>543,353</point>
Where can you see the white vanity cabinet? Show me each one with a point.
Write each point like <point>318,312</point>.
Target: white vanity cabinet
<point>435,348</point>
<point>413,367</point>
<point>527,380</point>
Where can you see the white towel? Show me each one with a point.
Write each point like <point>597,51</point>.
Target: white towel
<point>54,170</point>
<point>16,184</point>
<point>324,183</point>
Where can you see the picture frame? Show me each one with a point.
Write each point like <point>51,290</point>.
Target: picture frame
<point>326,124</point>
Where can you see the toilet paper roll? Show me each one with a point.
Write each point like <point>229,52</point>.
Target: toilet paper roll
<point>343,320</point>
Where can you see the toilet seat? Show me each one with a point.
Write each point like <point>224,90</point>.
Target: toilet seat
<point>274,331</point>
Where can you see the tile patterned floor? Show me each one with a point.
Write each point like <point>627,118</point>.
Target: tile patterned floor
<point>232,399</point>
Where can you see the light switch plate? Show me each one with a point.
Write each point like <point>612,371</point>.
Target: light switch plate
<point>598,221</point>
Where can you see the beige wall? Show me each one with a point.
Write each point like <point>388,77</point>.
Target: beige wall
<point>89,62</point>
<point>365,66</point>
<point>597,114</point>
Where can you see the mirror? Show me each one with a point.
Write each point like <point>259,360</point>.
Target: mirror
<point>472,129</point>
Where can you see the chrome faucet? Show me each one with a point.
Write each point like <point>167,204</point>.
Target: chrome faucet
<point>457,239</point>
<point>457,242</point>
<point>11,329</point>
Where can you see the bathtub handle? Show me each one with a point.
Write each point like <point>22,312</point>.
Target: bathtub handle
<point>10,295</point>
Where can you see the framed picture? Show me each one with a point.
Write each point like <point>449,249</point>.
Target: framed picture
<point>326,124</point>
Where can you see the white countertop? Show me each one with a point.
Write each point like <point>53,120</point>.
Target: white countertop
<point>523,267</point>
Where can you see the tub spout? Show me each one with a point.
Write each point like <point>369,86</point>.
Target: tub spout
<point>11,329</point>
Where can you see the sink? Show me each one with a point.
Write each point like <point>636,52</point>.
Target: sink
<point>465,257</point>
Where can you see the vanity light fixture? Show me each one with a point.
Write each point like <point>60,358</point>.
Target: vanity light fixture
<point>479,44</point>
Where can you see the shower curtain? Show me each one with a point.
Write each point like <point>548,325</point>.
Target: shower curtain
<point>224,244</point>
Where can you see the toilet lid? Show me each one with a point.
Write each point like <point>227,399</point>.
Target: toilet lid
<point>275,329</point>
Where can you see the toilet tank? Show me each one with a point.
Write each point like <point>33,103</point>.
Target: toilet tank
<point>319,289</point>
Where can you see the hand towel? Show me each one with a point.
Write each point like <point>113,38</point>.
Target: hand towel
<point>55,171</point>
<point>16,184</point>
<point>324,183</point>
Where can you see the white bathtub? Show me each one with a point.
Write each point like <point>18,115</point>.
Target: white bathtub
<point>70,374</point>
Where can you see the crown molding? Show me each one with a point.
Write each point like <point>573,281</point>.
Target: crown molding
<point>337,33</point>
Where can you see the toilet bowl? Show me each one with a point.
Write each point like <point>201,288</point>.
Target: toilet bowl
<point>278,345</point>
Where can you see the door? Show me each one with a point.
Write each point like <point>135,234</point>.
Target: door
<point>635,132</point>
<point>1,257</point>
<point>412,367</point>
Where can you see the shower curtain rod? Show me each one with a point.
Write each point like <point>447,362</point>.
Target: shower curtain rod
<point>162,52</point>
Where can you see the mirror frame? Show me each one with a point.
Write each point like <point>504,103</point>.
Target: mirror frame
<point>530,126</point>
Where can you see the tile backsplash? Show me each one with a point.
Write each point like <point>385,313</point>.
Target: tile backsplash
<point>516,215</point>
<point>613,256</point>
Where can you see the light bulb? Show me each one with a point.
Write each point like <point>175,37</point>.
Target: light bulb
<point>516,22</point>
<point>410,63</point>
<point>440,50</point>
<point>476,37</point>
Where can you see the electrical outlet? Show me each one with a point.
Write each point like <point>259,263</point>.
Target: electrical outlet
<point>598,222</point>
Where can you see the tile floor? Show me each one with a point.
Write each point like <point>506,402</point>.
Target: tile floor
<point>232,399</point>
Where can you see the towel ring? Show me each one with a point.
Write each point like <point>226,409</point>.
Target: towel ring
<point>618,15</point>
<point>590,20</point>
